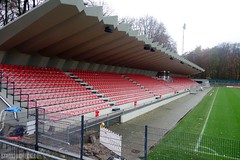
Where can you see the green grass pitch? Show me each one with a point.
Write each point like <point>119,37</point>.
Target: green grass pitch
<point>210,131</point>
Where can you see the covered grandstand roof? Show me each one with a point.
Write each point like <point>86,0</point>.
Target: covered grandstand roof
<point>68,29</point>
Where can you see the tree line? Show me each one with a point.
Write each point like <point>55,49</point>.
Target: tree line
<point>219,62</point>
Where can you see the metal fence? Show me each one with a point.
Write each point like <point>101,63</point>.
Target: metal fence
<point>60,135</point>
<point>75,137</point>
<point>182,145</point>
<point>139,142</point>
<point>12,151</point>
<point>80,138</point>
<point>18,139</point>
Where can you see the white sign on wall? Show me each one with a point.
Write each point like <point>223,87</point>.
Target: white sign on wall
<point>111,140</point>
<point>30,127</point>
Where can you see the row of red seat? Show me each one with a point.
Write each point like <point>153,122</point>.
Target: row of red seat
<point>133,99</point>
<point>83,100</point>
<point>69,106</point>
<point>93,78</point>
<point>75,112</point>
<point>39,78</point>
<point>36,76</point>
<point>41,85</point>
<point>42,96</point>
<point>47,90</point>
<point>163,92</point>
<point>32,77</point>
<point>160,89</point>
<point>31,72</point>
<point>21,67</point>
<point>116,87</point>
<point>108,83</point>
<point>35,80</point>
<point>111,90</point>
<point>87,72</point>
<point>123,92</point>
<point>127,96</point>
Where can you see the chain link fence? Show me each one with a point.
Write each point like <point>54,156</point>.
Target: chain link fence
<point>183,145</point>
<point>13,151</point>
<point>73,138</point>
<point>137,142</point>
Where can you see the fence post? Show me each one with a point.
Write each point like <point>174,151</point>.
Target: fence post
<point>36,130</point>
<point>68,135</point>
<point>1,76</point>
<point>7,88</point>
<point>107,120</point>
<point>13,91</point>
<point>145,142</point>
<point>81,139</point>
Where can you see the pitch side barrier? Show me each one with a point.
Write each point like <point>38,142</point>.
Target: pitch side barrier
<point>221,82</point>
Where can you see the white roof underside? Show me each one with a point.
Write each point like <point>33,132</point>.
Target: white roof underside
<point>68,29</point>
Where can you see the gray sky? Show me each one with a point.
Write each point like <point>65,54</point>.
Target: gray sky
<point>208,22</point>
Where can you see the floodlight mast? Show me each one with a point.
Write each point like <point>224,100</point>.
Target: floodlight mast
<point>184,27</point>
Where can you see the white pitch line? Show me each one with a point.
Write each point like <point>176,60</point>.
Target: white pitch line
<point>215,153</point>
<point>205,124</point>
<point>219,155</point>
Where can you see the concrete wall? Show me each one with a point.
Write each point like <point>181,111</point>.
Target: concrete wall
<point>2,56</point>
<point>134,114</point>
<point>70,64</point>
<point>38,60</point>
<point>17,58</point>
<point>102,67</point>
<point>56,62</point>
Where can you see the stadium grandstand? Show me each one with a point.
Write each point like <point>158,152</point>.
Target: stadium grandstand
<point>68,60</point>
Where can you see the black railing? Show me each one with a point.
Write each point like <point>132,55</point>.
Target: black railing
<point>10,150</point>
<point>1,76</point>
<point>7,86</point>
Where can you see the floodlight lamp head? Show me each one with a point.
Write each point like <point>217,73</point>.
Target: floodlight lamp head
<point>147,47</point>
<point>153,49</point>
<point>108,29</point>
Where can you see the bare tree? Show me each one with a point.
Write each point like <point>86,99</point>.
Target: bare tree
<point>11,9</point>
<point>152,29</point>
<point>219,62</point>
<point>107,10</point>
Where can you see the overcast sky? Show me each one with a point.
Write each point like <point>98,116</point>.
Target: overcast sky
<point>208,22</point>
